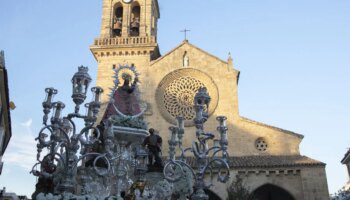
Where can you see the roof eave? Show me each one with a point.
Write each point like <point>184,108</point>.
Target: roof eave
<point>346,158</point>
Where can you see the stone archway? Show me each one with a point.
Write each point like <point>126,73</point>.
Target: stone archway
<point>272,192</point>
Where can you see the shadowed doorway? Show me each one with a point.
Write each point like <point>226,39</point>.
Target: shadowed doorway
<point>272,192</point>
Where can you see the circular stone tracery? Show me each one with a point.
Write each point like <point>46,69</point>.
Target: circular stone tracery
<point>179,97</point>
<point>175,94</point>
<point>261,144</point>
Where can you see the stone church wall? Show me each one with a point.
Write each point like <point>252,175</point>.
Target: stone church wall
<point>314,183</point>
<point>306,183</point>
<point>242,133</point>
<point>246,137</point>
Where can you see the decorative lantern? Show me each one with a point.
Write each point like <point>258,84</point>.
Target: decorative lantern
<point>201,105</point>
<point>202,98</point>
<point>80,82</point>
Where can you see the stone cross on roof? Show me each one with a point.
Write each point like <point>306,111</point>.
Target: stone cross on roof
<point>185,32</point>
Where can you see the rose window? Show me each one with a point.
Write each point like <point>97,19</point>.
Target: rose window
<point>176,92</point>
<point>179,97</point>
<point>261,144</point>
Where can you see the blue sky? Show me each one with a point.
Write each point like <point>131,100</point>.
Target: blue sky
<point>294,58</point>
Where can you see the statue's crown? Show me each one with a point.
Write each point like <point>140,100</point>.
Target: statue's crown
<point>83,69</point>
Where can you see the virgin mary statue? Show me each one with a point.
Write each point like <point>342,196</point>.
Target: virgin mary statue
<point>125,99</point>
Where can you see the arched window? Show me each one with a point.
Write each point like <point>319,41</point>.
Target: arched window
<point>135,19</point>
<point>272,192</point>
<point>118,19</point>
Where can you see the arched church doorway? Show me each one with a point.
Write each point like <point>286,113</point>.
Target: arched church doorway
<point>272,192</point>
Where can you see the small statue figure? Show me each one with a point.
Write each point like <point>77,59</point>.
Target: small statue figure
<point>186,60</point>
<point>125,108</point>
<point>117,22</point>
<point>154,144</point>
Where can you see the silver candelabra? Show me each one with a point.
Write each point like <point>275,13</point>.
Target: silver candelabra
<point>62,141</point>
<point>206,159</point>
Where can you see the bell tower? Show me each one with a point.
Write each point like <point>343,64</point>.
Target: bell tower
<point>128,36</point>
<point>129,18</point>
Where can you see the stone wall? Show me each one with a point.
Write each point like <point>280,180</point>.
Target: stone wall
<point>314,183</point>
<point>242,133</point>
<point>246,137</point>
<point>303,183</point>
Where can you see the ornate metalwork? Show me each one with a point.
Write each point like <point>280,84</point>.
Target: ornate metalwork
<point>80,83</point>
<point>72,160</point>
<point>90,164</point>
<point>62,141</point>
<point>206,159</point>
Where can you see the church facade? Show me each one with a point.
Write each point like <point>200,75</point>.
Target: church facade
<point>266,157</point>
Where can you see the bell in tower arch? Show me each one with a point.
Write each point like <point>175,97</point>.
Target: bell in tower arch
<point>135,20</point>
<point>118,20</point>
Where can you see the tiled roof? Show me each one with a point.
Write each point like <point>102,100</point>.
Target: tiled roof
<point>273,161</point>
<point>267,161</point>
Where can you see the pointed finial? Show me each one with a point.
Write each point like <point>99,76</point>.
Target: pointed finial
<point>2,59</point>
<point>230,60</point>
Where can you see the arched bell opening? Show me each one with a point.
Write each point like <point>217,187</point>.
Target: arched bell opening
<point>118,20</point>
<point>271,192</point>
<point>135,19</point>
